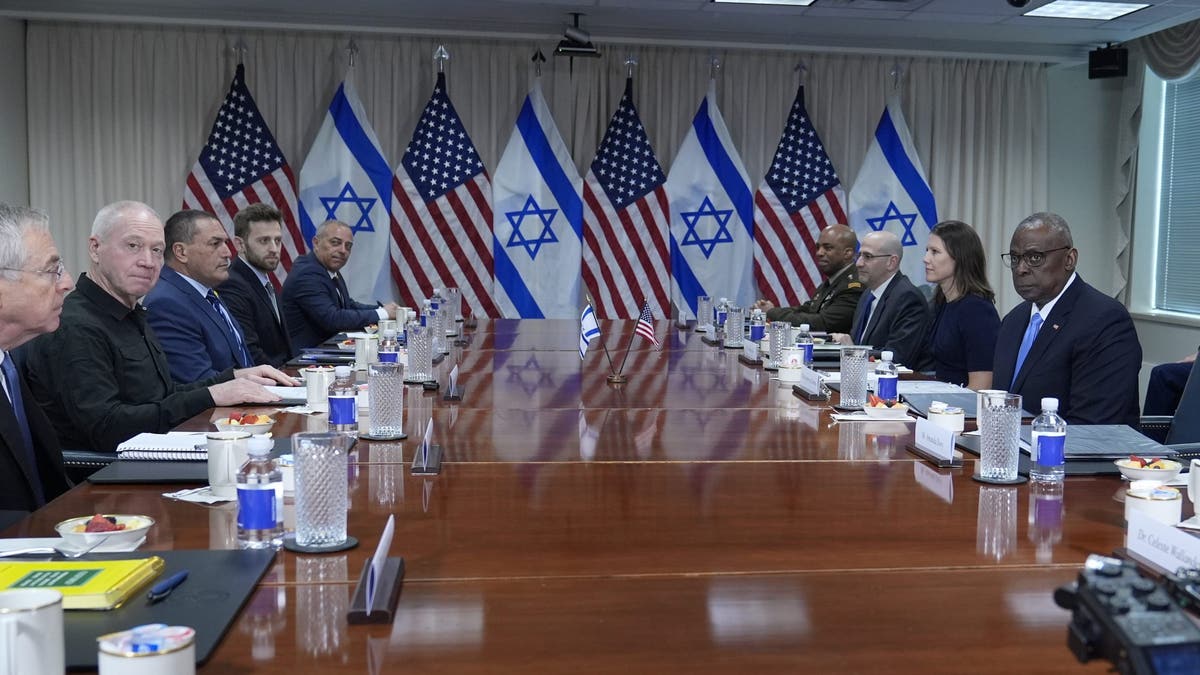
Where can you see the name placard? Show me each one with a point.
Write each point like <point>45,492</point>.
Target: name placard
<point>934,440</point>
<point>810,381</point>
<point>1164,545</point>
<point>750,349</point>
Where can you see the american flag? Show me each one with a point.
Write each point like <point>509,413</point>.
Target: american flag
<point>442,212</point>
<point>800,196</point>
<point>625,220</point>
<point>241,164</point>
<point>645,325</point>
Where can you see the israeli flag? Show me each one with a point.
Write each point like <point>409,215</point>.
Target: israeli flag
<point>537,219</point>
<point>712,215</point>
<point>892,194</point>
<point>588,330</point>
<point>346,177</point>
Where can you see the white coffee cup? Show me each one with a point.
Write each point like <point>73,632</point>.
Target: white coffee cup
<point>31,632</point>
<point>153,649</point>
<point>226,453</point>
<point>1193,484</point>
<point>317,380</point>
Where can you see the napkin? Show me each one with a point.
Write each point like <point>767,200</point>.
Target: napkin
<point>202,495</point>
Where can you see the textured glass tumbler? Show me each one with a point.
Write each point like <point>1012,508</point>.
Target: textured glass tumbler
<point>854,376</point>
<point>322,493</point>
<point>777,334</point>
<point>386,384</point>
<point>999,435</point>
<point>734,327</point>
<point>454,302</point>
<point>420,353</point>
<point>704,311</point>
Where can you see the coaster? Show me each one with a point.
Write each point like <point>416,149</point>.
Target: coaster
<point>993,481</point>
<point>847,408</point>
<point>289,542</point>
<point>368,437</point>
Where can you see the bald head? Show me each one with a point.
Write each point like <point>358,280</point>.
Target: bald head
<point>835,248</point>
<point>878,258</point>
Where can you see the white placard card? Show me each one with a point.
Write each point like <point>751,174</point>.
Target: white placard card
<point>1164,545</point>
<point>934,440</point>
<point>378,559</point>
<point>750,349</point>
<point>810,381</point>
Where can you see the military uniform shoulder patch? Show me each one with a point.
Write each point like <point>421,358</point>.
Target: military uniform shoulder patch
<point>854,284</point>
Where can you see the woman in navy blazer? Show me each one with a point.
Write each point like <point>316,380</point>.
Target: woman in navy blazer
<point>962,339</point>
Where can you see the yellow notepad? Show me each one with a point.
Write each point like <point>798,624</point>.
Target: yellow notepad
<point>85,584</point>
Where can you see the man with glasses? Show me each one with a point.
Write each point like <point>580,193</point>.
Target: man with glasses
<point>1067,340</point>
<point>892,315</point>
<point>831,307</point>
<point>33,283</point>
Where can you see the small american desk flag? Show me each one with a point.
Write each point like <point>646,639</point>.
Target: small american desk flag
<point>241,164</point>
<point>800,196</point>
<point>645,325</point>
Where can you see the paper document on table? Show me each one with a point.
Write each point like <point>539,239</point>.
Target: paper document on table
<point>906,387</point>
<point>289,394</point>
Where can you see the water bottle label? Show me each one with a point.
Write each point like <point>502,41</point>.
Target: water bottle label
<point>1051,449</point>
<point>886,389</point>
<point>389,357</point>
<point>423,317</point>
<point>342,410</point>
<point>807,352</point>
<point>256,509</point>
<point>721,318</point>
<point>757,331</point>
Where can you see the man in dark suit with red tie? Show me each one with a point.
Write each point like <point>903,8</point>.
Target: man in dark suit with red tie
<point>1067,340</point>
<point>249,293</point>
<point>33,283</point>
<point>316,303</point>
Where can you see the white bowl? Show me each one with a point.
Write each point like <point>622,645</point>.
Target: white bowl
<point>898,413</point>
<point>223,424</point>
<point>1132,471</point>
<point>135,528</point>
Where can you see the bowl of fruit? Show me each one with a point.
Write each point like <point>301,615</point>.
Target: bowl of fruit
<point>249,423</point>
<point>879,409</point>
<point>1154,468</point>
<point>97,530</point>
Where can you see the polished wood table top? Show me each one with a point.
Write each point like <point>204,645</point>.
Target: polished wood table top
<point>699,518</point>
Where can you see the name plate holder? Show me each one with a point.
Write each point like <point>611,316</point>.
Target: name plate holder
<point>749,355</point>
<point>1163,546</point>
<point>427,463</point>
<point>711,340</point>
<point>387,594</point>
<point>810,387</point>
<point>935,444</point>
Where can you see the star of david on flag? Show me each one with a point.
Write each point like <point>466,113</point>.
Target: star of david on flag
<point>712,224</point>
<point>891,193</point>
<point>537,226</point>
<point>346,177</point>
<point>241,165</point>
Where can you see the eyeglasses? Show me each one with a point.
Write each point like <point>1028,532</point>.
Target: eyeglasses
<point>1032,258</point>
<point>868,257</point>
<point>59,270</point>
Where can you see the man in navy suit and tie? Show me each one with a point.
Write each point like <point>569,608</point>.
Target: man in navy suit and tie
<point>892,315</point>
<point>1067,340</point>
<point>248,293</point>
<point>197,331</point>
<point>33,283</point>
<point>316,303</point>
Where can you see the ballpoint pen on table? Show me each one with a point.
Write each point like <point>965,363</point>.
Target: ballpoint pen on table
<point>162,589</point>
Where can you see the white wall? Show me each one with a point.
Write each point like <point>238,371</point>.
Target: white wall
<point>14,137</point>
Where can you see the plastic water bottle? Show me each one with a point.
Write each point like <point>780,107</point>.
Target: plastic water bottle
<point>389,347</point>
<point>1049,443</point>
<point>722,314</point>
<point>343,411</point>
<point>758,325</point>
<point>885,370</point>
<point>805,342</point>
<point>260,498</point>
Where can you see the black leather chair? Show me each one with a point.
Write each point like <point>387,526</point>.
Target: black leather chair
<point>1181,430</point>
<point>82,463</point>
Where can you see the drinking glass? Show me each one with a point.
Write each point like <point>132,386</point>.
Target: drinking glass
<point>999,435</point>
<point>777,333</point>
<point>420,353</point>
<point>454,302</point>
<point>704,312</point>
<point>322,493</point>
<point>854,376</point>
<point>386,384</point>
<point>734,330</point>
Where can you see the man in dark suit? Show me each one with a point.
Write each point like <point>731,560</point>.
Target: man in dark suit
<point>33,283</point>
<point>831,307</point>
<point>248,292</point>
<point>196,330</point>
<point>1067,340</point>
<point>316,303</point>
<point>892,314</point>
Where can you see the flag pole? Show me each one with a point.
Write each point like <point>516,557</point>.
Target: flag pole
<point>629,346</point>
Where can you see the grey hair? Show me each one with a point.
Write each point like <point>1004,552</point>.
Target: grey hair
<point>110,216</point>
<point>1052,221</point>
<point>15,221</point>
<point>329,225</point>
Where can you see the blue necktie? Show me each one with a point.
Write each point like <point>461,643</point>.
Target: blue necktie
<point>13,383</point>
<point>1031,332</point>
<point>244,357</point>
<point>866,316</point>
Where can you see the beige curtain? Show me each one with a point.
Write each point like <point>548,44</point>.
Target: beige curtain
<point>1174,53</point>
<point>120,112</point>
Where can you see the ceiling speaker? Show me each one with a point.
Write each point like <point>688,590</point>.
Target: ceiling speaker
<point>1108,62</point>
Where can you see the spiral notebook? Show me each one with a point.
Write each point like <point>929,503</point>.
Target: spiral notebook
<point>172,446</point>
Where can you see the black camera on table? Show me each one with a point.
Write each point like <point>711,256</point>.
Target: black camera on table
<point>1121,616</point>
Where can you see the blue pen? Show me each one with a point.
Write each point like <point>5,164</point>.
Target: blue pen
<point>163,588</point>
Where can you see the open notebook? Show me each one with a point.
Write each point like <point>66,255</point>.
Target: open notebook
<point>175,445</point>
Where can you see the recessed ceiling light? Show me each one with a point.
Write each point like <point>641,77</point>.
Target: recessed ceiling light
<point>801,3</point>
<point>1085,9</point>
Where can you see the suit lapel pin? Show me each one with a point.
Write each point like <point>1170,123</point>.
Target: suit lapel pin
<point>1055,326</point>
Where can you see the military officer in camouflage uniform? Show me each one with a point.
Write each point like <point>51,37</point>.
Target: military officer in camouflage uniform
<point>831,308</point>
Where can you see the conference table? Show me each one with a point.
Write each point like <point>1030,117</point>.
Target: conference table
<point>697,518</point>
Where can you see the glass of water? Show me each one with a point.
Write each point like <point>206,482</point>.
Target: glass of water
<point>386,386</point>
<point>854,376</point>
<point>777,334</point>
<point>999,435</point>
<point>704,311</point>
<point>420,353</point>
<point>734,330</point>
<point>322,493</point>
<point>454,302</point>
